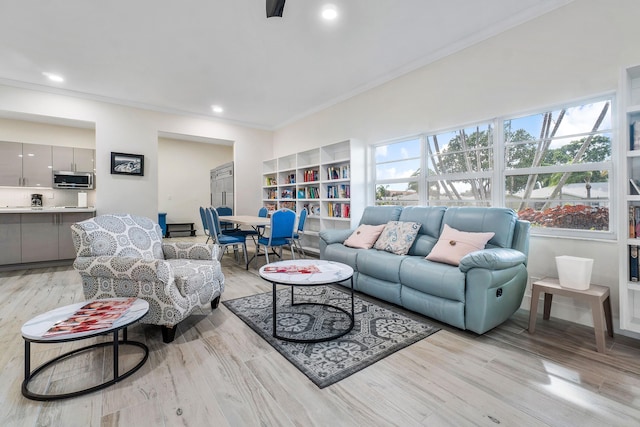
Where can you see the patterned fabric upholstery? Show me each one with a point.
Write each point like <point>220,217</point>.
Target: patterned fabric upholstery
<point>123,255</point>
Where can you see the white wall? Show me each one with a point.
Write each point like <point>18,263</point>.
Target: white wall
<point>183,181</point>
<point>573,52</point>
<point>131,130</point>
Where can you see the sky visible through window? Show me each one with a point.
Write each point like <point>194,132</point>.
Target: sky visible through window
<point>401,160</point>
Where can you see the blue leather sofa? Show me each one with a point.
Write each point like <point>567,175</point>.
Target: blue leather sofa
<point>479,294</point>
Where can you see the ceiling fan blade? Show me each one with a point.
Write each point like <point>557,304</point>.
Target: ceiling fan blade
<point>274,8</point>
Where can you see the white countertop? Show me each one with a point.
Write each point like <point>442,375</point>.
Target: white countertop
<point>51,209</point>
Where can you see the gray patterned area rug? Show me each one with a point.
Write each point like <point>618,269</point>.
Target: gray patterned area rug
<point>379,330</point>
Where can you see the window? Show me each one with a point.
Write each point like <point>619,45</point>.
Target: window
<point>460,165</point>
<point>553,168</point>
<point>397,172</point>
<point>557,167</point>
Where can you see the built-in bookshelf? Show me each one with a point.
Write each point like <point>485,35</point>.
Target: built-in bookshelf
<point>629,219</point>
<point>328,182</point>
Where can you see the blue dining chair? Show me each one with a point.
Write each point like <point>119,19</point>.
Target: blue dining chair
<point>225,240</point>
<point>224,225</point>
<point>262,213</point>
<point>298,234</point>
<point>282,225</point>
<point>205,227</point>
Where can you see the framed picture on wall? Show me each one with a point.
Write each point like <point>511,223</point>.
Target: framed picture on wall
<point>127,164</point>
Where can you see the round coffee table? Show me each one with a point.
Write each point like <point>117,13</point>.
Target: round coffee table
<point>330,273</point>
<point>35,329</point>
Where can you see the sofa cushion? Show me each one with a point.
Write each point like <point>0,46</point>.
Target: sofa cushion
<point>431,219</point>
<point>341,253</point>
<point>365,236</point>
<point>441,280</point>
<point>454,244</point>
<point>379,264</point>
<point>501,221</point>
<point>376,215</point>
<point>397,237</point>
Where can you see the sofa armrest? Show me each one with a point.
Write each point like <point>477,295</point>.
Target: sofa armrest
<point>492,259</point>
<point>189,250</point>
<point>335,236</point>
<point>128,268</point>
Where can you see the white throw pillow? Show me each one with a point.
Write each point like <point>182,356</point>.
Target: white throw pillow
<point>364,236</point>
<point>454,244</point>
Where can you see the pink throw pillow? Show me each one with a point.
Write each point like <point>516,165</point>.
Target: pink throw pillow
<point>365,236</point>
<point>454,244</point>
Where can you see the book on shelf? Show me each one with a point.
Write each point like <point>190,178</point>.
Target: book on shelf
<point>635,187</point>
<point>310,175</point>
<point>288,205</point>
<point>93,316</point>
<point>632,222</point>
<point>633,263</point>
<point>338,210</point>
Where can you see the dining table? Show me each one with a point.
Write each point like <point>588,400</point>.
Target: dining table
<point>255,222</point>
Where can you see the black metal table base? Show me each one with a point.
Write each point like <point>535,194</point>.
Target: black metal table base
<point>350,316</point>
<point>28,375</point>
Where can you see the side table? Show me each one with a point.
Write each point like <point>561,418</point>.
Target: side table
<point>35,329</point>
<point>597,296</point>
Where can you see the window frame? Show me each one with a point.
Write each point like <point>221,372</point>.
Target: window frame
<point>499,173</point>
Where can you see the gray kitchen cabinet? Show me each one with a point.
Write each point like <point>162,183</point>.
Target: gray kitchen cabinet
<point>10,241</point>
<point>36,165</point>
<point>25,165</point>
<point>47,236</point>
<point>39,237</point>
<point>10,164</point>
<point>73,159</point>
<point>66,250</point>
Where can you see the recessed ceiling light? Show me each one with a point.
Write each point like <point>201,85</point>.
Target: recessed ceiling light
<point>329,12</point>
<point>53,77</point>
<point>217,109</point>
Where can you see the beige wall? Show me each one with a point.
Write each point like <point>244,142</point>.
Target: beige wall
<point>183,177</point>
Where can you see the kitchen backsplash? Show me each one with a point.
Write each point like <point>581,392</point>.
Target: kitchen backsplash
<point>21,197</point>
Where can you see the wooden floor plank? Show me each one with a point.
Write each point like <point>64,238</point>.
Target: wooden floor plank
<point>219,372</point>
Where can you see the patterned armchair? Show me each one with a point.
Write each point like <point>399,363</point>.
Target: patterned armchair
<point>123,255</point>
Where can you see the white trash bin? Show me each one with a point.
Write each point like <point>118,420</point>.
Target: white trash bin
<point>574,272</point>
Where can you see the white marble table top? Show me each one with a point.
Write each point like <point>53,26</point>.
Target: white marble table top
<point>330,272</point>
<point>35,328</point>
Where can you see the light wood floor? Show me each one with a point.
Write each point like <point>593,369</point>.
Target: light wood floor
<point>220,373</point>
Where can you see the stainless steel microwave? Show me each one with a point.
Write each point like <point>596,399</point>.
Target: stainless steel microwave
<point>73,180</point>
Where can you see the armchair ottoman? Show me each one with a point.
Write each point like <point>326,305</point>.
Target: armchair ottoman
<point>122,255</point>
